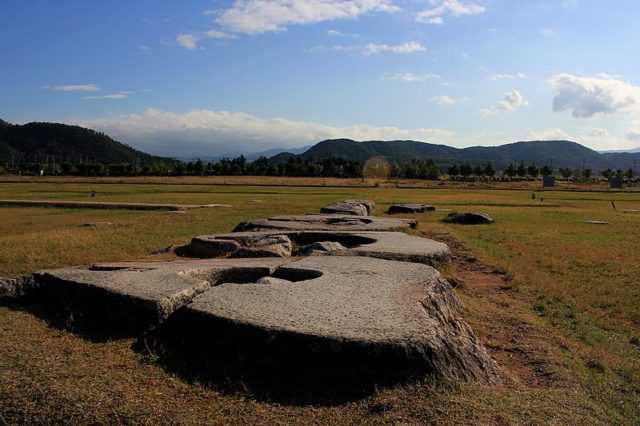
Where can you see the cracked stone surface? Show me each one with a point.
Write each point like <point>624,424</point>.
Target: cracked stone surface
<point>384,245</point>
<point>326,223</point>
<point>468,218</point>
<point>410,208</point>
<point>397,311</point>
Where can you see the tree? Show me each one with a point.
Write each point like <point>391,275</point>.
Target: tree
<point>453,170</point>
<point>466,169</point>
<point>607,173</point>
<point>510,170</point>
<point>565,173</point>
<point>521,170</point>
<point>629,174</point>
<point>533,170</point>
<point>586,173</point>
<point>478,170</point>
<point>199,167</point>
<point>546,170</point>
<point>489,170</point>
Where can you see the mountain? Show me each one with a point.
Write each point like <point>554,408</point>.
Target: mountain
<point>34,142</point>
<point>559,153</point>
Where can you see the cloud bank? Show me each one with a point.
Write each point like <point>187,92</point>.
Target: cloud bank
<point>206,132</point>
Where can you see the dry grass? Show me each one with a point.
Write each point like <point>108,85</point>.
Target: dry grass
<point>566,310</point>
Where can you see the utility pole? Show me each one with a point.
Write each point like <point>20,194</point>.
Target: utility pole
<point>583,167</point>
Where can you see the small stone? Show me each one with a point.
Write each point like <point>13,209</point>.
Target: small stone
<point>468,218</point>
<point>410,208</point>
<point>597,222</point>
<point>211,247</point>
<point>97,224</point>
<point>322,246</point>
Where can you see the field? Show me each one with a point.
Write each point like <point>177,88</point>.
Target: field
<point>554,299</point>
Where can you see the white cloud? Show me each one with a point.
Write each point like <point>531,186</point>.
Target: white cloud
<point>496,77</point>
<point>191,41</point>
<point>410,77</point>
<point>260,16</point>
<point>116,96</point>
<point>409,47</point>
<point>512,100</point>
<point>144,49</point>
<point>548,135</point>
<point>599,133</point>
<point>548,32</point>
<point>188,41</point>
<point>442,8</point>
<point>448,101</point>
<point>594,138</point>
<point>206,132</point>
<point>634,133</point>
<point>588,96</point>
<point>90,87</point>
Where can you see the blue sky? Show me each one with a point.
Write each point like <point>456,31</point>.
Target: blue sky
<point>209,77</point>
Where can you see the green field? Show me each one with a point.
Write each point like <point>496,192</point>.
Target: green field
<point>554,299</point>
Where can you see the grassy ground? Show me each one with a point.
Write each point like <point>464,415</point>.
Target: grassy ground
<point>554,299</point>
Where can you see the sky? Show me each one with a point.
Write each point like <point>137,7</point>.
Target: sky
<point>207,77</point>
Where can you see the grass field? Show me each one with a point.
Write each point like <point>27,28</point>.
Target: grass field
<point>554,299</point>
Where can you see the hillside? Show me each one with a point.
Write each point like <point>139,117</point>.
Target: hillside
<point>560,153</point>
<point>34,142</point>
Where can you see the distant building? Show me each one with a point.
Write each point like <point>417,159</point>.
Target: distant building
<point>548,181</point>
<point>616,182</point>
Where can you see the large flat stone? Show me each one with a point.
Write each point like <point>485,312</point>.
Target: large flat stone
<point>143,294</point>
<point>402,313</point>
<point>383,245</point>
<point>326,223</point>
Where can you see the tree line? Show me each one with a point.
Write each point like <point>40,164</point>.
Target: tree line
<point>297,167</point>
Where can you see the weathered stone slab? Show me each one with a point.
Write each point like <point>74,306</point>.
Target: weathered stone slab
<point>368,204</point>
<point>410,208</point>
<point>143,294</point>
<point>468,218</point>
<point>17,286</point>
<point>402,313</point>
<point>597,222</point>
<point>326,223</point>
<point>345,208</point>
<point>384,245</point>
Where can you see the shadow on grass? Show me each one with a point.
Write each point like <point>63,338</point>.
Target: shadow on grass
<point>57,315</point>
<point>276,368</point>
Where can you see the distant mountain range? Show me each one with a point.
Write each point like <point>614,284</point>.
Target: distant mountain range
<point>34,142</point>
<point>37,142</point>
<point>557,153</point>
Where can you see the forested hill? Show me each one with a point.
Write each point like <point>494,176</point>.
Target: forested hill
<point>34,142</point>
<point>561,153</point>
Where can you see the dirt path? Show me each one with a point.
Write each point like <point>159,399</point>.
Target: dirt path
<point>502,318</point>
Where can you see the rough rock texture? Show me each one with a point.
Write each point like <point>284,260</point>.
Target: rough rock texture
<point>384,245</point>
<point>17,286</point>
<point>322,247</point>
<point>468,218</point>
<point>402,313</point>
<point>326,223</point>
<point>410,208</point>
<point>211,247</point>
<point>368,204</point>
<point>143,294</point>
<point>346,208</point>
